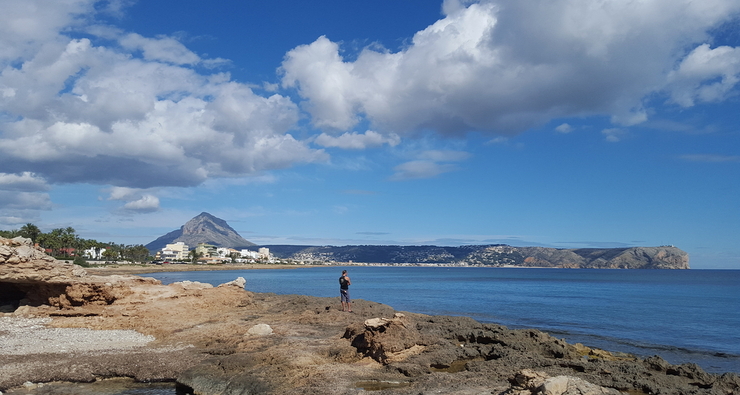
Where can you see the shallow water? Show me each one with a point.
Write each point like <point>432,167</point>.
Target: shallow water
<point>118,386</point>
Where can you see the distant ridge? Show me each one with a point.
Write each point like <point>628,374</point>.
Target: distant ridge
<point>500,255</point>
<point>204,228</point>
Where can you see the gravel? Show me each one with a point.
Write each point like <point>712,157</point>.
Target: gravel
<point>24,336</point>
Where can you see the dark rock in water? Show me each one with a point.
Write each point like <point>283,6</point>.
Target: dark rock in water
<point>204,228</point>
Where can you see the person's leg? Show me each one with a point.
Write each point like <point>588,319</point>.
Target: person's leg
<point>349,303</point>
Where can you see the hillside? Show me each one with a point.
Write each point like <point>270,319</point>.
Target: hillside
<point>664,257</point>
<point>204,228</point>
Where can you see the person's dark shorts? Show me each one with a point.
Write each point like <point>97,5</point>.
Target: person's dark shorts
<point>344,294</point>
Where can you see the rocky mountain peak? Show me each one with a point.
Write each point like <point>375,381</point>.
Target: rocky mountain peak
<point>203,228</point>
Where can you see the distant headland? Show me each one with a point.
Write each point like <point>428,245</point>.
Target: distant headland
<point>206,228</point>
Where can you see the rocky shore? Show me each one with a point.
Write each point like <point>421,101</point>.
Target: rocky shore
<point>60,324</point>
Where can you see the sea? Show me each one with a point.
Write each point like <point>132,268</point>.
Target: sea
<point>684,316</point>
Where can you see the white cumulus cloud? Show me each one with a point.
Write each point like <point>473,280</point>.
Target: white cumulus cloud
<point>134,115</point>
<point>503,66</point>
<point>137,200</point>
<point>705,75</point>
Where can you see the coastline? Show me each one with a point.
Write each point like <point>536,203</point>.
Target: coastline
<point>206,341</point>
<point>65,324</point>
<point>136,269</point>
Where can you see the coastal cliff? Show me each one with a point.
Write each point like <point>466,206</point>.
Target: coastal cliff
<point>664,257</point>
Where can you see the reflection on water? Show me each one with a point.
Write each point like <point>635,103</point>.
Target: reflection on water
<point>117,386</point>
<point>379,385</point>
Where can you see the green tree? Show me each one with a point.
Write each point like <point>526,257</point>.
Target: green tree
<point>136,253</point>
<point>194,256</point>
<point>30,231</point>
<point>111,254</point>
<point>52,241</point>
<point>69,240</point>
<point>9,234</point>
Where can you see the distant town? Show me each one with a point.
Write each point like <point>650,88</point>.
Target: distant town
<point>211,254</point>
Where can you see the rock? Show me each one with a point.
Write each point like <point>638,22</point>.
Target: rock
<point>385,339</point>
<point>530,382</point>
<point>375,323</point>
<point>567,385</point>
<point>260,330</point>
<point>192,285</point>
<point>239,282</point>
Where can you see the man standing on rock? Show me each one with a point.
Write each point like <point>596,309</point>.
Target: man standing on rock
<point>344,284</point>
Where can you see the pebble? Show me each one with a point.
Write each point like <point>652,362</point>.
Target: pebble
<point>24,336</point>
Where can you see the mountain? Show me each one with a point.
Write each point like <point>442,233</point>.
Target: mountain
<point>204,228</point>
<point>664,257</point>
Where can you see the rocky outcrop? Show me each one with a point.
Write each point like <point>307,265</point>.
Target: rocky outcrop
<point>29,277</point>
<point>204,228</point>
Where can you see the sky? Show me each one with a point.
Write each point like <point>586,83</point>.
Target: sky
<point>558,123</point>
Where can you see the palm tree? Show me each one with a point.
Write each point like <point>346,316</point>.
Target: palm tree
<point>30,231</point>
<point>194,255</point>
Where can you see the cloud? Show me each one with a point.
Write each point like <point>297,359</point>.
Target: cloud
<point>133,113</point>
<point>505,66</point>
<point>137,201</point>
<point>24,182</point>
<point>357,141</point>
<point>429,164</point>
<point>614,135</point>
<point>444,155</point>
<point>146,204</point>
<point>705,75</point>
<point>21,197</point>
<point>12,201</point>
<point>165,49</point>
<point>564,128</point>
<point>710,158</point>
<point>421,169</point>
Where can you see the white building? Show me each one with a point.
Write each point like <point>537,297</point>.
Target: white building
<point>94,253</point>
<point>175,252</point>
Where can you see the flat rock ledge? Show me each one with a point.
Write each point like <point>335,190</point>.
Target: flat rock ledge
<point>59,325</point>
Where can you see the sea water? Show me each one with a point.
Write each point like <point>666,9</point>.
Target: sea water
<point>681,315</point>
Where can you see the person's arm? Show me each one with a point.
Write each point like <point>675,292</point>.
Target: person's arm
<point>348,281</point>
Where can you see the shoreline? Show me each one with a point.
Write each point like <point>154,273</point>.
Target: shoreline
<point>676,354</point>
<point>203,342</point>
<point>137,269</point>
<point>67,324</point>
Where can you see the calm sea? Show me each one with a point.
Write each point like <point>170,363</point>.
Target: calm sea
<point>681,315</point>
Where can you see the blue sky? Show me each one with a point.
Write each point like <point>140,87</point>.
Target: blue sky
<point>555,123</point>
